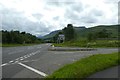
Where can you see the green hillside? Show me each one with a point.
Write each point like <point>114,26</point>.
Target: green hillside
<point>51,35</point>
<point>81,32</point>
<point>113,29</point>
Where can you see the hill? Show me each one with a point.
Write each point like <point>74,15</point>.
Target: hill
<point>113,29</point>
<point>82,32</point>
<point>51,35</point>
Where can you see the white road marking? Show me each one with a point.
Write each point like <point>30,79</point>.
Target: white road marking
<point>29,60</point>
<point>25,56</point>
<point>32,53</point>
<point>20,58</point>
<point>10,61</point>
<point>28,56</point>
<point>32,69</point>
<point>15,62</point>
<point>4,64</point>
<point>17,59</point>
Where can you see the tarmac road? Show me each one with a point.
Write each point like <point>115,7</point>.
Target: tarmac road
<point>107,73</point>
<point>38,62</point>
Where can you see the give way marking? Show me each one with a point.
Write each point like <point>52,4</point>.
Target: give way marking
<point>32,69</point>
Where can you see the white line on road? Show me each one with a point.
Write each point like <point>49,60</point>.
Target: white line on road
<point>10,61</point>
<point>32,69</point>
<point>17,59</point>
<point>20,58</point>
<point>30,54</point>
<point>4,64</point>
<point>25,57</point>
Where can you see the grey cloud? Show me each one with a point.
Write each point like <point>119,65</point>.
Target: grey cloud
<point>59,3</point>
<point>96,12</point>
<point>37,16</point>
<point>37,28</point>
<point>92,16</point>
<point>12,20</point>
<point>85,19</point>
<point>56,18</point>
<point>119,12</point>
<point>82,17</point>
<point>112,1</point>
<point>78,7</point>
<point>72,10</point>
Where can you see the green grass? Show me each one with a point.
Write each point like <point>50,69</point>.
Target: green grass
<point>94,44</point>
<point>14,45</point>
<point>86,66</point>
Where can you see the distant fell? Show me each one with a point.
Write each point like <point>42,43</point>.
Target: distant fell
<point>52,34</point>
<point>82,31</point>
<point>113,29</point>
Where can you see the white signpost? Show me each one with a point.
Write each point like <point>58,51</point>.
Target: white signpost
<point>61,38</point>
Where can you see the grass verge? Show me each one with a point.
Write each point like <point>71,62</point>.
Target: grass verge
<point>93,44</point>
<point>86,66</point>
<point>14,45</point>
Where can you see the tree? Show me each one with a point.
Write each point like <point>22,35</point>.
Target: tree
<point>17,37</point>
<point>91,37</point>
<point>69,32</point>
<point>103,34</point>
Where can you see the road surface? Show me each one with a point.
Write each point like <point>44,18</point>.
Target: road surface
<point>107,73</point>
<point>38,62</point>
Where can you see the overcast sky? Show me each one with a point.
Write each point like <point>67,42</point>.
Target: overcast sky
<point>39,17</point>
